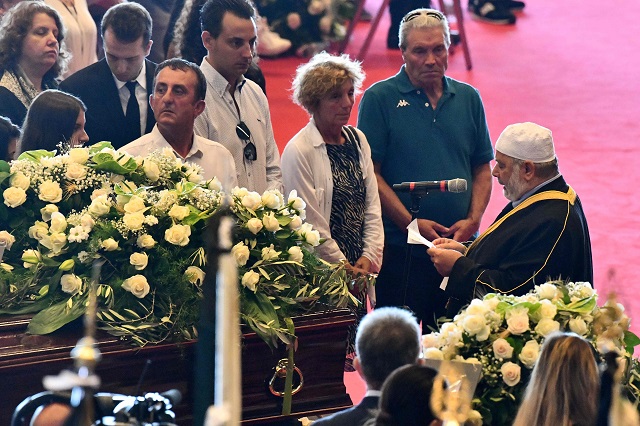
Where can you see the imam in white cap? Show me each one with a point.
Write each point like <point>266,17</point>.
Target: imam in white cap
<point>527,141</point>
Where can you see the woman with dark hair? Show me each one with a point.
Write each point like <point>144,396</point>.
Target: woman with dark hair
<point>80,30</point>
<point>9,135</point>
<point>32,56</point>
<point>54,117</point>
<point>405,398</point>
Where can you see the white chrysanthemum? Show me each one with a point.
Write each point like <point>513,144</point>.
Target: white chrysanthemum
<point>78,234</point>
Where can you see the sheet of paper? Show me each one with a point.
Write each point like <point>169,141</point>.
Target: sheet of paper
<point>414,237</point>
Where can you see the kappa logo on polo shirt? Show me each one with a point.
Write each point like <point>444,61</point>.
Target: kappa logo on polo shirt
<point>402,103</point>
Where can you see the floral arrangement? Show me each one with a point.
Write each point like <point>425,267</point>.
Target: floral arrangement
<point>143,219</point>
<point>504,334</point>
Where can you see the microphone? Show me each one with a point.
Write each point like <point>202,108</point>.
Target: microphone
<point>453,185</point>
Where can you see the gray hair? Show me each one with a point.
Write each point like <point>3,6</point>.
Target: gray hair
<point>387,339</point>
<point>323,74</point>
<point>424,18</point>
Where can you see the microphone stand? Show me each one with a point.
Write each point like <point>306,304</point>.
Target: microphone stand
<point>416,198</point>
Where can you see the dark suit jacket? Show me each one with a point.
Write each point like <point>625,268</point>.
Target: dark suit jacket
<point>97,89</point>
<point>354,416</point>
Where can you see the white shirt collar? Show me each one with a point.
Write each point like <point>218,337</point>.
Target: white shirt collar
<point>195,150</point>
<point>141,79</point>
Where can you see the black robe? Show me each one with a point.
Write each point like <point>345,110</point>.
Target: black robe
<point>548,239</point>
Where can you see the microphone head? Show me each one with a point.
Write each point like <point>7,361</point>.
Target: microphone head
<point>457,185</point>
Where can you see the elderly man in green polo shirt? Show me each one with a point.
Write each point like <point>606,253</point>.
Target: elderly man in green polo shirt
<point>425,126</point>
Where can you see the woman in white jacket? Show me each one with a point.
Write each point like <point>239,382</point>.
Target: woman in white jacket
<point>329,164</point>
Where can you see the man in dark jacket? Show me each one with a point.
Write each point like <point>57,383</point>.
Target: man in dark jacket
<point>116,89</point>
<point>387,339</point>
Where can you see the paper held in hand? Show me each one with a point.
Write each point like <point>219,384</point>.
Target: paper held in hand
<point>414,237</point>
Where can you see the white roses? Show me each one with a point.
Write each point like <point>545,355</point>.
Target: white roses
<point>7,239</point>
<point>179,212</point>
<point>254,225</point>
<point>502,349</point>
<point>518,320</point>
<point>110,244</point>
<point>195,275</point>
<point>14,196</point>
<point>240,253</point>
<point>75,171</point>
<point>529,353</point>
<point>178,235</point>
<point>295,254</point>
<point>250,280</point>
<point>139,260</point>
<point>19,180</point>
<point>145,241</point>
<point>50,192</point>
<point>70,283</point>
<point>270,222</point>
<point>137,285</point>
<point>311,236</point>
<point>510,373</point>
<point>151,170</point>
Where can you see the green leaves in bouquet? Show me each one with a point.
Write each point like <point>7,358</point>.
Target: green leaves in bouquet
<point>52,318</point>
<point>123,165</point>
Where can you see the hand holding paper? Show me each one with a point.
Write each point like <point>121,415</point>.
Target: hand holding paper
<point>414,236</point>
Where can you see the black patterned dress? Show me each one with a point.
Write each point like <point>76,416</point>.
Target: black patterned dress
<point>347,212</point>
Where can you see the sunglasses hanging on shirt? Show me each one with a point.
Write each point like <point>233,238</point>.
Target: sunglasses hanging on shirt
<point>243,132</point>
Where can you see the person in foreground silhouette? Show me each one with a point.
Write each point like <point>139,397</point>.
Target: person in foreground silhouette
<point>387,339</point>
<point>564,385</point>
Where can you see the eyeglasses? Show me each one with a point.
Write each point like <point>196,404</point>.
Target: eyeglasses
<point>243,132</point>
<point>431,13</point>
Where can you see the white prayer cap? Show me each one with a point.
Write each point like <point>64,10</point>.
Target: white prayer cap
<point>527,141</point>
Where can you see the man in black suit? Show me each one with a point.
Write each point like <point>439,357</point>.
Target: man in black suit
<point>387,339</point>
<point>106,87</point>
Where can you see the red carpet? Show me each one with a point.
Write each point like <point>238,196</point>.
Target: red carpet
<point>569,65</point>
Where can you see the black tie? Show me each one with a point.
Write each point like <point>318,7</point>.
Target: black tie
<point>133,112</point>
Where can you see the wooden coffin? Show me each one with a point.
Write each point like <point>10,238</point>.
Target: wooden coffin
<point>26,359</point>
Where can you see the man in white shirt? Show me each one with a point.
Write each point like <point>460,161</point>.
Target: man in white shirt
<point>116,89</point>
<point>179,90</point>
<point>237,112</point>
